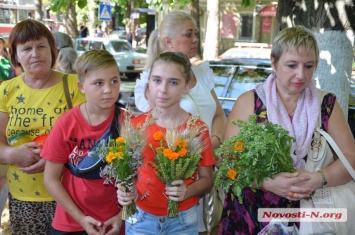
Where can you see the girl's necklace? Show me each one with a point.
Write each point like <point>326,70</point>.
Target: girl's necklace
<point>50,75</point>
<point>87,114</point>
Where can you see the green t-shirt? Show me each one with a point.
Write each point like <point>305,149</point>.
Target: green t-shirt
<point>5,69</point>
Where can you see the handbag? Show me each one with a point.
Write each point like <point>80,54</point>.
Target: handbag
<point>212,208</point>
<point>319,156</point>
<point>212,202</point>
<point>89,167</point>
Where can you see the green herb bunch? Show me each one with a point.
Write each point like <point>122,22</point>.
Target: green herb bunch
<point>258,151</point>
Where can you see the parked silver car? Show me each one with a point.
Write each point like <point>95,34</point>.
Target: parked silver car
<point>130,62</point>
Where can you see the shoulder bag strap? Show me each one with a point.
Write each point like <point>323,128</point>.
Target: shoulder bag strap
<point>66,91</point>
<point>115,124</point>
<point>331,141</point>
<point>338,152</point>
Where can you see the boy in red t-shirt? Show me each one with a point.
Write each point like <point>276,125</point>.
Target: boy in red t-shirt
<point>85,205</point>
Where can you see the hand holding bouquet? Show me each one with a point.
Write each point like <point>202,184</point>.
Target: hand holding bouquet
<point>258,151</point>
<point>123,157</point>
<point>177,156</point>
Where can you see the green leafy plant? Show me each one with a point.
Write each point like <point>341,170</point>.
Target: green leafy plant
<point>258,151</point>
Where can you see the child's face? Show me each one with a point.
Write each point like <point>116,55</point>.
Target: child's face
<point>166,85</point>
<point>102,87</point>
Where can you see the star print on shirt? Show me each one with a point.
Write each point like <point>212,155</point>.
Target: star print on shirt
<point>72,95</point>
<point>34,119</point>
<point>20,99</point>
<point>37,193</point>
<point>16,176</point>
<point>60,101</point>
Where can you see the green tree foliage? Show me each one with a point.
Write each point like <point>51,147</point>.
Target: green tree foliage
<point>248,3</point>
<point>57,5</point>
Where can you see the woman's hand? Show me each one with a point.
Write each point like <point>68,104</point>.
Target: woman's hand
<point>115,222</point>
<point>125,198</point>
<point>315,181</point>
<point>285,185</point>
<point>35,168</point>
<point>25,155</point>
<point>177,192</point>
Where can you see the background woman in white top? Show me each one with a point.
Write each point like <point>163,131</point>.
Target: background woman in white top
<point>177,33</point>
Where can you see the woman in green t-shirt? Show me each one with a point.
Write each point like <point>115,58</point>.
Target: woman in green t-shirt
<point>6,70</point>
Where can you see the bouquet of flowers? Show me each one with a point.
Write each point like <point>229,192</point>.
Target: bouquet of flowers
<point>258,151</point>
<point>177,156</point>
<point>123,157</point>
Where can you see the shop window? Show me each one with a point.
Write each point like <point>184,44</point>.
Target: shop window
<point>4,16</point>
<point>246,27</point>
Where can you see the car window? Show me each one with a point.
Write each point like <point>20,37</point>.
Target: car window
<point>95,45</point>
<point>223,75</point>
<point>81,45</point>
<point>246,53</point>
<point>233,80</point>
<point>121,46</point>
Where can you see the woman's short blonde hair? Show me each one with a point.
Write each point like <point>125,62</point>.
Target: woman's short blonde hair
<point>294,38</point>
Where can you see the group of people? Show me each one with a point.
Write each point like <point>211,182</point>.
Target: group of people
<point>84,31</point>
<point>46,197</point>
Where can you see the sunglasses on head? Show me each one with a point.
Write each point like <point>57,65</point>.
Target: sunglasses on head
<point>65,46</point>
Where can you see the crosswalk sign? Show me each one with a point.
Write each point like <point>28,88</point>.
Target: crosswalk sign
<point>104,12</point>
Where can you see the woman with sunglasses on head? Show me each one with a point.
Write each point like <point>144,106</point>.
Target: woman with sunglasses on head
<point>177,33</point>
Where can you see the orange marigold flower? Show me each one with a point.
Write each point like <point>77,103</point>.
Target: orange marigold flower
<point>182,152</point>
<point>170,154</point>
<point>120,140</point>
<point>239,146</point>
<point>181,142</point>
<point>158,136</point>
<point>173,156</point>
<point>109,157</point>
<point>184,144</point>
<point>232,174</point>
<point>167,152</point>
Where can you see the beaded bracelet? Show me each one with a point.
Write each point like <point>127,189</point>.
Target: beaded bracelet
<point>219,138</point>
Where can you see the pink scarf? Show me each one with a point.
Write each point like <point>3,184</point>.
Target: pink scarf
<point>304,120</point>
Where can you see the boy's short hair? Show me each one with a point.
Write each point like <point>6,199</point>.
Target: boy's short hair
<point>93,60</point>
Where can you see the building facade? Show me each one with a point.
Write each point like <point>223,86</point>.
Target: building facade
<point>240,24</point>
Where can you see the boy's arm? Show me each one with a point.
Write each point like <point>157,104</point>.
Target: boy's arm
<point>52,180</point>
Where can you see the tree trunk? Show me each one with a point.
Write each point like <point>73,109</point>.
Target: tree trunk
<point>212,31</point>
<point>194,10</point>
<point>70,21</point>
<point>333,22</point>
<point>92,17</point>
<point>39,13</point>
